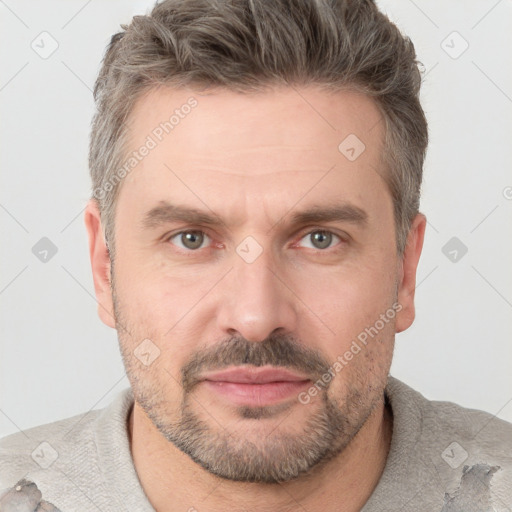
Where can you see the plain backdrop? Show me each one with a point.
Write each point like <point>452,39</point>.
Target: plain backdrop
<point>57,359</point>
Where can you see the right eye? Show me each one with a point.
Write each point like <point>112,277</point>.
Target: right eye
<point>190,240</point>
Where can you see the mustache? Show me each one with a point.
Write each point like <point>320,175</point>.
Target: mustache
<point>276,350</point>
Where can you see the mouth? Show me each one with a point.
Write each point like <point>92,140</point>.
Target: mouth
<point>256,387</point>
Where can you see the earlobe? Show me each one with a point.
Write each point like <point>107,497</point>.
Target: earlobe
<point>409,265</point>
<point>100,263</point>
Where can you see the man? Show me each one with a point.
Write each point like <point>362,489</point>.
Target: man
<point>254,236</point>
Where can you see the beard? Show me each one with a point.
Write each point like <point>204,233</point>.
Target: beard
<point>242,455</point>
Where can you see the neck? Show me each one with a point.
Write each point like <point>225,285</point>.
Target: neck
<point>173,482</point>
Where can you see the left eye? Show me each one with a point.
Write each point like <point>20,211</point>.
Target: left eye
<point>190,239</point>
<point>320,239</point>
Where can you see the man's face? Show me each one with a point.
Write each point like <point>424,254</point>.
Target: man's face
<point>264,288</point>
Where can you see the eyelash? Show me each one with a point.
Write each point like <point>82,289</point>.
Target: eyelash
<point>168,238</point>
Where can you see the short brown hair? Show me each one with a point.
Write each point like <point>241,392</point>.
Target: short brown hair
<point>249,45</point>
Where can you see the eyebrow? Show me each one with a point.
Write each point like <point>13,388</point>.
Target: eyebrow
<point>339,213</point>
<point>167,213</point>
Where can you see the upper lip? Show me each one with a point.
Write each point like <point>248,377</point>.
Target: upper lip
<point>244,374</point>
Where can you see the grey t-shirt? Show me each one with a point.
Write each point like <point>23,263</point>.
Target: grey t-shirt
<point>443,458</point>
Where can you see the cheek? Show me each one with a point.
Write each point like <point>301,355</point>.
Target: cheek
<point>348,299</point>
<point>358,306</point>
<point>161,306</point>
<point>148,292</point>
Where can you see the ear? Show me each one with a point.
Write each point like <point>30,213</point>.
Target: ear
<point>407,277</point>
<point>100,263</point>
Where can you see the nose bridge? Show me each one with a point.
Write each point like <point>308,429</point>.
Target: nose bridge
<point>256,302</point>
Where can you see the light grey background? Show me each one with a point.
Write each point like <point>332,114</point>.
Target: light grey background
<point>57,359</point>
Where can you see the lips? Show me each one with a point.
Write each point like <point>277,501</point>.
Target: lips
<point>257,387</point>
<point>247,375</point>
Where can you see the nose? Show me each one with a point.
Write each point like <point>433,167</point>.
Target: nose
<point>257,300</point>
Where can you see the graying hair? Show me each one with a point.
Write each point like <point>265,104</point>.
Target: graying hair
<point>249,46</point>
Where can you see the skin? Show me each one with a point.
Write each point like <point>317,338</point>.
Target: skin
<point>255,160</point>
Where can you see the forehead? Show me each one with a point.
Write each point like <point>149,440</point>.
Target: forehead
<point>273,146</point>
<point>223,124</point>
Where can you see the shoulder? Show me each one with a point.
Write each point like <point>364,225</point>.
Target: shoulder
<point>66,463</point>
<point>481,431</point>
<point>36,449</point>
<point>69,444</point>
<point>445,455</point>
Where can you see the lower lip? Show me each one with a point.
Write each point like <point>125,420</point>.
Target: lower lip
<point>257,395</point>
